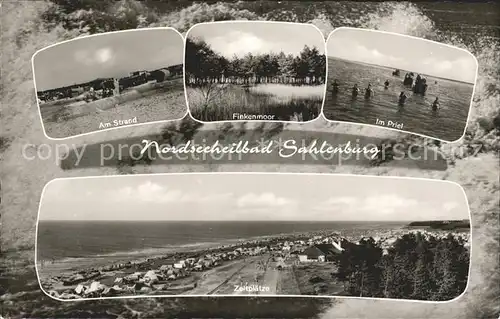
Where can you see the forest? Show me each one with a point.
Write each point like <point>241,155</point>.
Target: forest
<point>415,267</point>
<point>204,65</point>
<point>443,225</point>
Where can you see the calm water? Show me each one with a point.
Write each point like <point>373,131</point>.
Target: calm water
<point>448,123</point>
<point>279,100</point>
<point>289,91</point>
<point>260,94</point>
<point>62,239</point>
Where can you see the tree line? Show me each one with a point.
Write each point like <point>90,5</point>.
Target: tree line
<point>415,267</point>
<point>204,66</point>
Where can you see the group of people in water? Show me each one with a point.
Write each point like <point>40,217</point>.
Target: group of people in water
<point>420,85</point>
<point>368,92</point>
<point>354,91</point>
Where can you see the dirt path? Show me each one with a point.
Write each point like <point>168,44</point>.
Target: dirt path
<point>247,275</point>
<point>271,278</point>
<point>287,283</point>
<point>222,280</point>
<point>225,287</point>
<point>211,280</point>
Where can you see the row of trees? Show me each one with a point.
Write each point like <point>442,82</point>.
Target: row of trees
<point>415,267</point>
<point>203,65</point>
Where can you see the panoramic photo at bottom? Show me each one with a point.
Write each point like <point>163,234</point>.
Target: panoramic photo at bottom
<point>253,234</point>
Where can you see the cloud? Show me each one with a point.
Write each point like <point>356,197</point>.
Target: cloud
<point>387,204</point>
<point>155,193</point>
<point>239,43</point>
<point>415,58</point>
<point>99,56</point>
<point>374,53</point>
<point>439,66</point>
<point>83,57</point>
<point>462,69</point>
<point>159,56</point>
<point>449,206</point>
<point>262,200</point>
<point>352,50</point>
<point>375,207</point>
<point>341,200</point>
<point>336,202</point>
<point>267,206</point>
<point>103,55</point>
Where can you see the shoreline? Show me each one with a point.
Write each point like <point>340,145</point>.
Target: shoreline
<point>165,252</point>
<point>66,263</point>
<point>407,71</point>
<point>201,270</point>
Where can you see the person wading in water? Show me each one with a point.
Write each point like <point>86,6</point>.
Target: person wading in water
<point>402,98</point>
<point>435,104</point>
<point>355,91</point>
<point>335,87</point>
<point>368,91</point>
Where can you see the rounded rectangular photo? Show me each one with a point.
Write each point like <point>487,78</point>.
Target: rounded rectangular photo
<point>110,80</point>
<point>255,71</point>
<point>399,82</point>
<point>257,234</point>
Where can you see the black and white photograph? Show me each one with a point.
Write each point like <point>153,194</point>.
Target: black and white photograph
<point>253,234</point>
<point>28,158</point>
<point>399,82</point>
<point>110,80</point>
<point>255,70</point>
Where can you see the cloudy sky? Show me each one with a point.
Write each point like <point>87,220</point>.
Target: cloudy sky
<point>107,55</point>
<point>401,52</point>
<point>252,197</point>
<point>240,38</point>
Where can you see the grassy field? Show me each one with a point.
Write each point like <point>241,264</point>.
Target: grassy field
<point>315,278</point>
<point>165,102</point>
<point>285,102</point>
<point>287,283</point>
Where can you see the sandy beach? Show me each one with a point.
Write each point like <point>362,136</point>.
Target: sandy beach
<point>166,102</point>
<point>264,266</point>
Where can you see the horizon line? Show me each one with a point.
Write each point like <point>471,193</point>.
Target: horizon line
<point>104,78</point>
<point>391,67</point>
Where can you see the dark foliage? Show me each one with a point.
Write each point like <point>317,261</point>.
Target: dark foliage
<point>415,267</point>
<point>203,66</point>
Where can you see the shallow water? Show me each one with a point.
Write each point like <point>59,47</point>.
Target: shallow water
<point>289,91</point>
<point>279,100</point>
<point>260,95</point>
<point>448,123</point>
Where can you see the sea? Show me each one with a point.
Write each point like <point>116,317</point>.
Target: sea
<point>65,240</point>
<point>417,116</point>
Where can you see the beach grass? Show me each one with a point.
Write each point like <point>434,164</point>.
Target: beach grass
<point>316,278</point>
<point>285,102</point>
